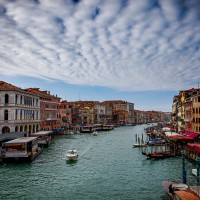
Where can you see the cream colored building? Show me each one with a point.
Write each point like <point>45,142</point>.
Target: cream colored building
<point>19,110</point>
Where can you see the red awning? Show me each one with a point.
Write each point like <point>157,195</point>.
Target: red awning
<point>191,134</point>
<point>194,147</point>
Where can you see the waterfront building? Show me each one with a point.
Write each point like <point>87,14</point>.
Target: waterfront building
<point>49,112</point>
<point>139,117</point>
<point>188,114</point>
<point>185,96</point>
<point>99,114</point>
<point>122,111</point>
<point>108,119</point>
<point>19,110</point>
<point>65,114</point>
<point>87,115</point>
<point>196,113</point>
<point>175,112</point>
<point>185,110</point>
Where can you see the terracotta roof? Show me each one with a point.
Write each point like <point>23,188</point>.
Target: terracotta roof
<point>4,85</point>
<point>39,92</point>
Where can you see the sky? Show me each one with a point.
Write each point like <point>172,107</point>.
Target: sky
<point>140,51</point>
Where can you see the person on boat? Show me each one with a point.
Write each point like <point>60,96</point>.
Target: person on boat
<point>171,190</point>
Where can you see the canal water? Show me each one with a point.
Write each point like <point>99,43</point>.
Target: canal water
<point>108,168</point>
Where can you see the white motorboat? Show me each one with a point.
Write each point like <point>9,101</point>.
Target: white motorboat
<point>194,172</point>
<point>94,133</point>
<point>72,155</point>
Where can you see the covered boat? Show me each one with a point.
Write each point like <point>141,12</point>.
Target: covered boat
<point>44,138</point>
<point>22,149</point>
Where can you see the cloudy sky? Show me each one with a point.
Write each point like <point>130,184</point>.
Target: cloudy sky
<point>142,51</point>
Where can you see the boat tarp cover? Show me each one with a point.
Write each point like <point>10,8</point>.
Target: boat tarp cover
<point>194,147</point>
<point>187,195</point>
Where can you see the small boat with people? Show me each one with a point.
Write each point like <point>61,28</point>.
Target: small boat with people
<point>72,155</point>
<point>179,191</point>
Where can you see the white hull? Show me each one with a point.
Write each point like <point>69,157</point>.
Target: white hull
<point>139,145</point>
<point>95,133</point>
<point>194,172</point>
<point>72,155</point>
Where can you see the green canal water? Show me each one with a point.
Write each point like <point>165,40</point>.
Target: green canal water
<point>108,168</point>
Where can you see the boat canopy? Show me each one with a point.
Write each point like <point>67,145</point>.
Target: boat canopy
<point>194,147</point>
<point>11,136</point>
<point>22,140</point>
<point>41,133</point>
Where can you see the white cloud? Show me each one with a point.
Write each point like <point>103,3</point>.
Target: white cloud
<point>139,46</point>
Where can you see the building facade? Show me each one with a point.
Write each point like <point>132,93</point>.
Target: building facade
<point>19,110</point>
<point>49,109</point>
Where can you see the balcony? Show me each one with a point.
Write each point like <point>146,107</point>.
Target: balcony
<point>49,118</point>
<point>50,109</point>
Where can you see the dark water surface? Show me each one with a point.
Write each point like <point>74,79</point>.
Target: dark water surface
<point>108,168</point>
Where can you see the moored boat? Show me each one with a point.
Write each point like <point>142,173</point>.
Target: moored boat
<point>159,155</point>
<point>21,149</point>
<point>86,129</point>
<point>139,145</point>
<point>44,138</point>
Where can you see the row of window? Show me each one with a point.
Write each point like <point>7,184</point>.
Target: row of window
<point>20,100</point>
<point>26,114</point>
<point>196,110</point>
<point>197,129</point>
<point>23,114</point>
<point>197,120</point>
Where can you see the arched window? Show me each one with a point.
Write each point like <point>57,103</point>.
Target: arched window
<point>6,98</point>
<point>16,128</point>
<point>5,114</point>
<point>5,129</point>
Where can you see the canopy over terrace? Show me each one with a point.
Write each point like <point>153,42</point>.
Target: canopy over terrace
<point>180,138</point>
<point>191,134</point>
<point>186,136</point>
<point>194,147</point>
